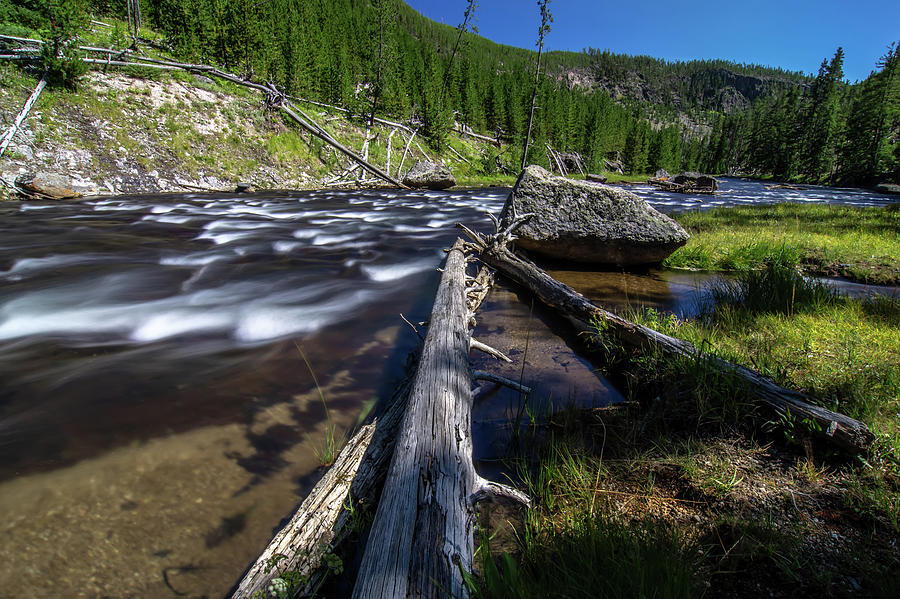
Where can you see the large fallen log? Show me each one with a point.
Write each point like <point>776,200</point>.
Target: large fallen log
<point>355,479</point>
<point>842,430</point>
<point>11,132</point>
<point>422,538</point>
<point>278,98</point>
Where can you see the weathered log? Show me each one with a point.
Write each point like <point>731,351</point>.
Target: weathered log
<point>11,132</point>
<point>481,375</point>
<point>320,522</point>
<point>840,429</point>
<point>421,540</point>
<point>412,136</point>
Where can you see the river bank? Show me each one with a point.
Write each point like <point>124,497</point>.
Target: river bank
<point>152,132</point>
<point>688,489</point>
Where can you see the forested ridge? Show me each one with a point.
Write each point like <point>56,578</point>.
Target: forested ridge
<point>382,56</point>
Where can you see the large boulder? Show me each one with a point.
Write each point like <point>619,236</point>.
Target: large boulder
<point>430,175</point>
<point>47,185</point>
<point>588,222</point>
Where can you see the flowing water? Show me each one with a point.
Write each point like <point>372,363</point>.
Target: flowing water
<point>157,415</point>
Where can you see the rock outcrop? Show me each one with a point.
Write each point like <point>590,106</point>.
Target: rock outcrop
<point>587,222</point>
<point>47,185</point>
<point>429,175</point>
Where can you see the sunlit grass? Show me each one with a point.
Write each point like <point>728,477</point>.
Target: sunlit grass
<point>859,243</point>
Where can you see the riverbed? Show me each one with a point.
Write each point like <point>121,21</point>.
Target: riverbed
<point>157,415</point>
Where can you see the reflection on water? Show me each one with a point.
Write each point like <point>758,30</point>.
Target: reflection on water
<point>156,419</point>
<point>678,292</point>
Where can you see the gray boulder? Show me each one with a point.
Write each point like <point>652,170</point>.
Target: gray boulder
<point>595,178</point>
<point>429,175</point>
<point>48,185</point>
<point>587,222</point>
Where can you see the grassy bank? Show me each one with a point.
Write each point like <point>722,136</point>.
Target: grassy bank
<point>691,489</point>
<point>862,244</point>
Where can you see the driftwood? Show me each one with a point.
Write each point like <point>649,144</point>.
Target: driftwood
<point>11,132</point>
<point>837,428</point>
<point>422,537</point>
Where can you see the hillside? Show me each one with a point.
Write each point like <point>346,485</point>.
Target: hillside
<point>176,132</point>
<point>380,57</point>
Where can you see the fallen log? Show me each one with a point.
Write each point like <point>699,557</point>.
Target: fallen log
<point>355,479</point>
<point>11,132</point>
<point>422,538</point>
<point>846,432</point>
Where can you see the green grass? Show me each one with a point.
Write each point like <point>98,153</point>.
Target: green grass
<point>862,244</point>
<point>570,545</point>
<point>843,352</point>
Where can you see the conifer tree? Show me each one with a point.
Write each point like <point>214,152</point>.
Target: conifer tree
<point>874,112</point>
<point>821,119</point>
<point>65,20</point>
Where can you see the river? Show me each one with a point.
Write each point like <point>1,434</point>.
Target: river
<point>157,415</point>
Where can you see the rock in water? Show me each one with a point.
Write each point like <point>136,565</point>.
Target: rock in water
<point>693,180</point>
<point>595,178</point>
<point>430,175</point>
<point>48,185</point>
<point>587,222</point>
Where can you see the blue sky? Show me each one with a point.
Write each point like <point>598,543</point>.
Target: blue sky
<point>792,34</point>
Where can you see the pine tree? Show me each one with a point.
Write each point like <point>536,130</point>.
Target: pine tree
<point>867,152</point>
<point>60,56</point>
<point>821,120</point>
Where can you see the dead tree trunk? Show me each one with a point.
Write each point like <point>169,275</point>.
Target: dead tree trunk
<point>11,132</point>
<point>842,430</point>
<point>422,537</point>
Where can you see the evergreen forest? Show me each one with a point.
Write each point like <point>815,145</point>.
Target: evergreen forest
<point>380,56</point>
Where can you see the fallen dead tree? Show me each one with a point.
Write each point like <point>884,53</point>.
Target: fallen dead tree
<point>850,434</point>
<point>422,538</point>
<point>442,395</point>
<point>14,128</point>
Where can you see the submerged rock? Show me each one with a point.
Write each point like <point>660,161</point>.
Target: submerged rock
<point>587,222</point>
<point>429,175</point>
<point>48,185</point>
